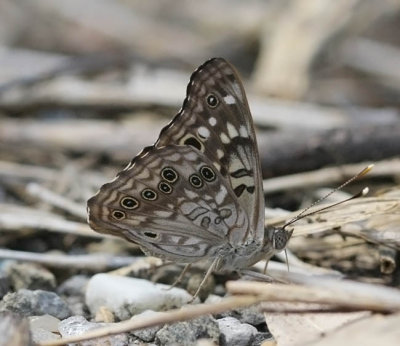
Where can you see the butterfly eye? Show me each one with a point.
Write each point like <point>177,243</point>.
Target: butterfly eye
<point>207,173</point>
<point>129,203</point>
<point>212,101</point>
<point>169,174</point>
<point>164,187</point>
<point>196,181</point>
<point>119,215</point>
<point>149,194</point>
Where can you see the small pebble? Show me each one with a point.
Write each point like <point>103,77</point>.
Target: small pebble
<point>30,276</point>
<point>40,334</point>
<point>251,315</point>
<point>31,303</point>
<point>77,325</point>
<point>46,322</point>
<point>187,333</point>
<point>147,334</point>
<point>74,286</point>
<point>235,333</point>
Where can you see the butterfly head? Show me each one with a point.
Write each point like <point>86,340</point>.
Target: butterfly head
<point>278,237</point>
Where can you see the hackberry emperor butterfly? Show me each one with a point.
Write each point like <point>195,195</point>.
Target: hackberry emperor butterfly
<point>197,192</point>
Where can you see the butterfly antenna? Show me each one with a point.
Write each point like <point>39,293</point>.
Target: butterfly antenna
<point>363,192</point>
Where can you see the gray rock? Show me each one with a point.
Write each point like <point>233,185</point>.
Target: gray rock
<point>259,338</point>
<point>186,333</point>
<point>126,296</point>
<point>46,322</point>
<point>147,334</point>
<point>77,306</point>
<point>29,276</point>
<point>40,334</point>
<point>251,315</point>
<point>74,286</point>
<point>235,333</point>
<point>176,334</point>
<point>30,303</point>
<point>77,325</point>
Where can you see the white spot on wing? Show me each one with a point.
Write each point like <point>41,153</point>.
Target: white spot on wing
<point>212,121</point>
<point>232,130</point>
<point>219,198</point>
<point>203,132</point>
<point>174,157</point>
<point>224,138</point>
<point>220,153</point>
<point>230,100</point>
<point>163,213</point>
<point>190,156</point>
<point>191,194</point>
<point>243,132</point>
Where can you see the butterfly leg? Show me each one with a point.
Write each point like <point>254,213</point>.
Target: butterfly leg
<point>181,275</point>
<point>209,272</point>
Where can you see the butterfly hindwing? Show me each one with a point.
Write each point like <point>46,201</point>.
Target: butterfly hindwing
<point>173,203</point>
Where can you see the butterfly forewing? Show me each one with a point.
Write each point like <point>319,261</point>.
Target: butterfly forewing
<point>172,202</point>
<point>215,119</point>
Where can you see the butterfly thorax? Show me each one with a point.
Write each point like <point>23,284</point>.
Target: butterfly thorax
<point>233,258</point>
<point>241,256</point>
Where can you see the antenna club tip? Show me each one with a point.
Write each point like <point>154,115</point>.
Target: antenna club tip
<point>365,170</point>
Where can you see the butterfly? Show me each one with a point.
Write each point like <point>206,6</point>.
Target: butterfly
<point>196,193</point>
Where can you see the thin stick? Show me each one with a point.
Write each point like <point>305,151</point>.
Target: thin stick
<point>13,217</point>
<point>187,313</point>
<point>94,262</point>
<point>56,200</point>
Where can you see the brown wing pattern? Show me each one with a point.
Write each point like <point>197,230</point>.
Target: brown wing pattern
<point>173,203</point>
<point>215,119</point>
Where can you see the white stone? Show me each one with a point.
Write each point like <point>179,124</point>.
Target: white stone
<point>235,333</point>
<point>126,296</point>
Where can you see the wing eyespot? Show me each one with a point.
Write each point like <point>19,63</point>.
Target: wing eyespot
<point>208,173</point>
<point>196,181</point>
<point>212,100</point>
<point>165,187</point>
<point>129,203</point>
<point>118,215</point>
<point>169,174</point>
<point>149,194</point>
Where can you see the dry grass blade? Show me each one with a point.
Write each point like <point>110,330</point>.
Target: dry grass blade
<point>361,217</point>
<point>344,294</point>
